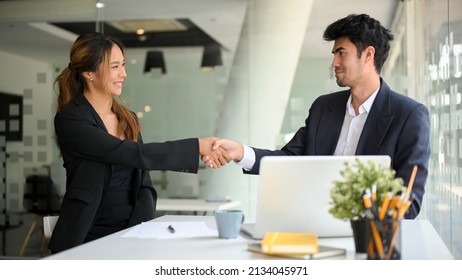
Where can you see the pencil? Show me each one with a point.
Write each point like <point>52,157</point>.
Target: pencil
<point>374,192</point>
<point>411,182</point>
<point>384,208</point>
<point>395,200</point>
<point>393,239</point>
<point>377,240</point>
<point>403,208</point>
<point>371,202</point>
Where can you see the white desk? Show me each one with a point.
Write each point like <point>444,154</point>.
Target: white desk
<point>193,205</point>
<point>420,242</point>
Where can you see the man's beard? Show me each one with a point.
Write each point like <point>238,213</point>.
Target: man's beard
<point>341,83</point>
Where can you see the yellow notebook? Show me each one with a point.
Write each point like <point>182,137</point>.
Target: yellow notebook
<point>290,243</point>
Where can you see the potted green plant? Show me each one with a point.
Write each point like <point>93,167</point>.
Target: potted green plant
<point>346,194</point>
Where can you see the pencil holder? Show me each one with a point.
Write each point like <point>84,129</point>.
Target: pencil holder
<point>361,233</point>
<point>385,220</point>
<point>383,240</point>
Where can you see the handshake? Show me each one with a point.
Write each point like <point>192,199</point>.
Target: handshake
<point>217,152</point>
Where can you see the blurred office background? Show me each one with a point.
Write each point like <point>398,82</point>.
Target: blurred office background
<point>273,64</point>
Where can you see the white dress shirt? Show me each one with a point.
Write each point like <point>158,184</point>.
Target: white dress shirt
<point>353,126</point>
<point>349,136</point>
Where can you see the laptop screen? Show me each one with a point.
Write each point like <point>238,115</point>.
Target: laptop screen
<point>293,194</point>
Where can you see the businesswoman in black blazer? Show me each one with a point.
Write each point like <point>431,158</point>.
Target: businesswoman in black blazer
<point>108,187</point>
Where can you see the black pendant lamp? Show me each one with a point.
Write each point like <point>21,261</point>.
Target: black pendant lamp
<point>155,59</point>
<point>211,57</point>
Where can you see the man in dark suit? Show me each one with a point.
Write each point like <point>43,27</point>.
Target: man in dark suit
<point>367,119</point>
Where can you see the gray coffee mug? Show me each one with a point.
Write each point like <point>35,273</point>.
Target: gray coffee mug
<point>229,223</point>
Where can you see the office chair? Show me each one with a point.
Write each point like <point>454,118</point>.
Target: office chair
<point>41,199</point>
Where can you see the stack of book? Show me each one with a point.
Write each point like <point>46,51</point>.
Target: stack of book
<point>294,245</point>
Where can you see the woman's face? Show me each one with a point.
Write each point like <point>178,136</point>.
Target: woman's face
<point>116,73</point>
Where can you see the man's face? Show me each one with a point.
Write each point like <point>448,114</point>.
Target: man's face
<point>347,66</point>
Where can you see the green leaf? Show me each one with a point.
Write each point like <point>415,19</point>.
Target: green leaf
<point>346,194</point>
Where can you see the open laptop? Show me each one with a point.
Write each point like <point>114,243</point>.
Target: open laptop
<point>293,195</point>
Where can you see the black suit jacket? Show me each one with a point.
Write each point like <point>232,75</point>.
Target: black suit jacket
<point>88,151</point>
<point>397,126</point>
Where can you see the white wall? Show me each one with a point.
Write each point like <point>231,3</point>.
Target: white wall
<point>33,80</point>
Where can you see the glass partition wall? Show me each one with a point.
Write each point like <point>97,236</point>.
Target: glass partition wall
<point>426,64</point>
<point>442,36</point>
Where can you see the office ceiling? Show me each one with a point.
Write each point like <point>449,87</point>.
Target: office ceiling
<point>155,33</point>
<point>45,29</point>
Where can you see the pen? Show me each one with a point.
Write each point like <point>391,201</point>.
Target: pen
<point>171,229</point>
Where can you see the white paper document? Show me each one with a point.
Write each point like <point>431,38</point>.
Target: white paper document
<point>161,230</point>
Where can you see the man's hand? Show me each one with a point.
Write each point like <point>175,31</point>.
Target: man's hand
<point>233,149</point>
<point>217,157</point>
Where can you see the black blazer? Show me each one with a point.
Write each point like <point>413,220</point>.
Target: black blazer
<point>88,151</point>
<point>397,126</point>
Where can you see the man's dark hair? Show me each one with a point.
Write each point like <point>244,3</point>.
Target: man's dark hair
<point>363,31</point>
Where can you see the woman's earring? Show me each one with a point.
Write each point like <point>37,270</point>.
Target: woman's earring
<point>91,79</point>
